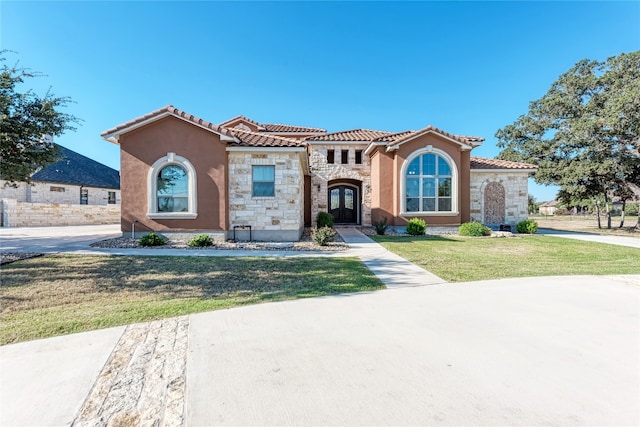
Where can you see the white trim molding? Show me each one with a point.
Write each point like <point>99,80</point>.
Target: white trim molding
<point>152,187</point>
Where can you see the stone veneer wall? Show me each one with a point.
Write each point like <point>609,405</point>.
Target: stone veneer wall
<point>323,172</point>
<point>25,214</point>
<point>279,218</point>
<point>516,194</point>
<point>40,192</point>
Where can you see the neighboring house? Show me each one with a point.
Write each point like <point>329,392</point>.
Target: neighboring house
<point>181,174</point>
<point>548,208</point>
<point>74,179</point>
<point>74,190</point>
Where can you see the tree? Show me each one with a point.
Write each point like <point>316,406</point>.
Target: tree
<point>583,134</point>
<point>533,205</point>
<point>25,121</point>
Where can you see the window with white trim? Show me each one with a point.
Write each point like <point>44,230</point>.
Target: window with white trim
<point>172,188</point>
<point>429,184</point>
<point>264,181</point>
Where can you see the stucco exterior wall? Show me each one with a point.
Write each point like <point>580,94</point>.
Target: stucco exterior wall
<point>323,173</point>
<point>387,173</point>
<point>26,214</point>
<point>141,148</point>
<point>41,192</point>
<point>516,194</point>
<point>279,218</point>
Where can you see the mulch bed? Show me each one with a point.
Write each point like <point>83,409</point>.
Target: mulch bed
<point>305,244</point>
<point>9,257</point>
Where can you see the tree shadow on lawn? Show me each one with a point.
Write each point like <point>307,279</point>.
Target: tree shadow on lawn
<point>195,277</point>
<point>410,239</point>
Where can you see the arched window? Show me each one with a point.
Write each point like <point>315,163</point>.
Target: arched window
<point>429,183</point>
<point>172,188</point>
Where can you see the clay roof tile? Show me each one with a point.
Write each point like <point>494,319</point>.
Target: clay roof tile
<point>483,163</point>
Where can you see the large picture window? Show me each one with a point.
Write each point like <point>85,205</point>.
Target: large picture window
<point>264,178</point>
<point>172,188</point>
<point>429,184</point>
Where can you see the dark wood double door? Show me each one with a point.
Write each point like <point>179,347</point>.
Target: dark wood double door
<point>343,204</point>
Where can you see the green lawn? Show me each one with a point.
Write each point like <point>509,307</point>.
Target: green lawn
<point>459,259</point>
<point>60,294</point>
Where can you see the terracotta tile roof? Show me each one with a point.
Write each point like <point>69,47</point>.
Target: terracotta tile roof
<point>472,139</point>
<point>242,138</point>
<point>482,163</point>
<point>240,117</point>
<point>350,135</point>
<point>253,139</point>
<point>275,127</point>
<point>393,137</point>
<point>467,140</point>
<point>167,110</point>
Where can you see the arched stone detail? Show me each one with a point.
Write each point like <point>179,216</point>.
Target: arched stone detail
<point>494,203</point>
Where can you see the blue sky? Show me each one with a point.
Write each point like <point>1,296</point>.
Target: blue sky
<point>466,67</point>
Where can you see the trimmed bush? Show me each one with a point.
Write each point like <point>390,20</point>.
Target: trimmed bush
<point>527,227</point>
<point>324,219</point>
<point>381,226</point>
<point>416,226</point>
<point>200,241</point>
<point>323,235</point>
<point>152,239</point>
<point>474,229</point>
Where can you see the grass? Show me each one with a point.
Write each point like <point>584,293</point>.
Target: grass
<point>589,224</point>
<point>461,259</point>
<point>61,294</point>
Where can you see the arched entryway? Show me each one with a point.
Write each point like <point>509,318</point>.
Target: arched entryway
<point>344,201</point>
<point>494,203</point>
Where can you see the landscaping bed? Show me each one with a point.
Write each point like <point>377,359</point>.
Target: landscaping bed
<point>305,243</point>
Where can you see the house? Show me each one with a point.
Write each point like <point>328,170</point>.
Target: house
<point>182,174</point>
<point>74,179</point>
<point>548,208</point>
<point>74,190</point>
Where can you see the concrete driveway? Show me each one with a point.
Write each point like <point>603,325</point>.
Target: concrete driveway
<point>532,351</point>
<point>529,351</point>
<point>54,239</point>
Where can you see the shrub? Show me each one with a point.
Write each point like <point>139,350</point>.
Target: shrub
<point>324,219</point>
<point>474,229</point>
<point>200,240</point>
<point>632,209</point>
<point>527,227</point>
<point>381,226</point>
<point>152,239</point>
<point>416,227</point>
<point>323,235</point>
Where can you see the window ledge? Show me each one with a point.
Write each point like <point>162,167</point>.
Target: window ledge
<point>172,215</point>
<point>429,213</point>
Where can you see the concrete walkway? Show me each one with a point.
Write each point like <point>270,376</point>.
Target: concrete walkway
<point>633,242</point>
<point>393,270</point>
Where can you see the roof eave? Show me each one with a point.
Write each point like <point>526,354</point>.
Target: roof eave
<point>501,170</point>
<point>463,146</point>
<point>114,136</point>
<point>371,146</point>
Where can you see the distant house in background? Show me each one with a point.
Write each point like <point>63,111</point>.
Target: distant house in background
<point>58,192</point>
<point>549,208</point>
